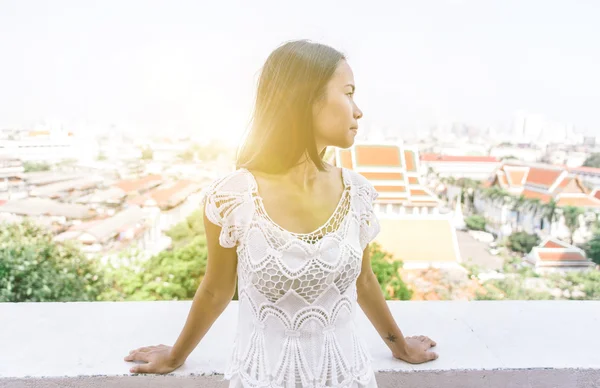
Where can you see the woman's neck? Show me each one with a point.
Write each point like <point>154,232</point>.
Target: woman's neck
<point>302,175</point>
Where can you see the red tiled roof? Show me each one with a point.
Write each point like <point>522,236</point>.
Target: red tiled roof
<point>461,158</point>
<point>164,196</point>
<point>560,256</point>
<point>542,176</point>
<point>131,185</point>
<point>377,156</point>
<point>596,193</point>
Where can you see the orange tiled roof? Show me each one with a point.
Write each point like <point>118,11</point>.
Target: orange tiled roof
<point>566,190</point>
<point>460,158</point>
<point>391,168</point>
<point>409,157</point>
<point>346,159</point>
<point>553,244</point>
<point>378,156</point>
<point>384,176</point>
<point>530,194</point>
<point>555,252</point>
<point>543,176</point>
<point>515,177</point>
<point>165,196</point>
<point>596,193</point>
<point>131,185</point>
<point>560,256</point>
<point>580,201</point>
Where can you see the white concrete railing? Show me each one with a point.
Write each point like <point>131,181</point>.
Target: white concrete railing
<point>481,344</point>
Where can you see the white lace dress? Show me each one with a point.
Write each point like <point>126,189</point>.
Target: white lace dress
<point>297,292</point>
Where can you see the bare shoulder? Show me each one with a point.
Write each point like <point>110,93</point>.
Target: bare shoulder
<point>237,181</point>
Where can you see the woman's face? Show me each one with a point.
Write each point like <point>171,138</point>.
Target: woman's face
<point>335,117</point>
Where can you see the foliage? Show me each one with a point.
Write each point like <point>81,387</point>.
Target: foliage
<point>522,242</point>
<point>592,248</point>
<point>510,289</point>
<point>386,269</point>
<point>593,160</point>
<point>571,214</point>
<point>34,268</point>
<point>170,275</point>
<point>187,155</point>
<point>147,154</point>
<point>588,282</point>
<point>35,166</point>
<point>475,222</point>
<point>185,231</point>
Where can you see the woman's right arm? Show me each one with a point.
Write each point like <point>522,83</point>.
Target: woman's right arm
<point>214,294</point>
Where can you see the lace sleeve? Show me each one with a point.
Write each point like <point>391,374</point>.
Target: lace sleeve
<point>226,204</point>
<point>369,224</point>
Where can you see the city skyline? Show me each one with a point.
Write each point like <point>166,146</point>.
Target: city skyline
<point>157,67</point>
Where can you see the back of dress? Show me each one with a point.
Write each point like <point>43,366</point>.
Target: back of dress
<point>297,292</point>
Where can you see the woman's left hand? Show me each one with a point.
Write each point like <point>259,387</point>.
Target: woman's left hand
<point>417,350</point>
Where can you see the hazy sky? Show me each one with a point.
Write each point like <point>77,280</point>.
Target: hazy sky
<point>192,65</point>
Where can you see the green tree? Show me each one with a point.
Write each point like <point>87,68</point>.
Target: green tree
<point>170,275</point>
<point>593,160</point>
<point>475,222</point>
<point>518,206</point>
<point>571,214</point>
<point>188,155</point>
<point>184,232</point>
<point>550,214</point>
<point>522,242</point>
<point>592,248</point>
<point>386,269</point>
<point>35,166</point>
<point>147,154</point>
<point>34,268</point>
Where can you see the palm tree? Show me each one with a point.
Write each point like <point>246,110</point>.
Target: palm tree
<point>533,206</point>
<point>517,206</point>
<point>571,214</point>
<point>550,213</point>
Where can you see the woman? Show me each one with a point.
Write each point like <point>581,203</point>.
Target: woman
<point>295,230</point>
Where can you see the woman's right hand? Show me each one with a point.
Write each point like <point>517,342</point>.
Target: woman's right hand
<point>158,360</point>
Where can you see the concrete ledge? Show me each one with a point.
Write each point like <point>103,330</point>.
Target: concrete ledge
<point>491,344</point>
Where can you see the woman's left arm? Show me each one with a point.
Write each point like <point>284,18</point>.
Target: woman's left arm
<point>414,350</point>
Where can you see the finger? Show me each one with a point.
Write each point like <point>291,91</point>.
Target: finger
<point>145,348</point>
<point>432,342</point>
<point>142,368</point>
<point>138,356</point>
<point>432,356</point>
<point>422,338</point>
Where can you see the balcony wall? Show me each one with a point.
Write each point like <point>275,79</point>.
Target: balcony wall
<point>481,344</point>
